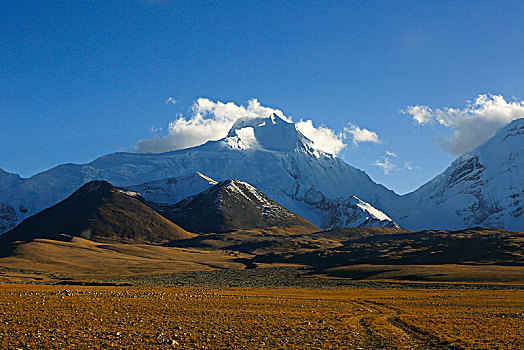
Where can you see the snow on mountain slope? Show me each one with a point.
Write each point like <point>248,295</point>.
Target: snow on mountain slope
<point>484,187</point>
<point>269,153</point>
<point>100,212</point>
<point>354,212</point>
<point>174,189</point>
<point>12,207</point>
<point>234,205</point>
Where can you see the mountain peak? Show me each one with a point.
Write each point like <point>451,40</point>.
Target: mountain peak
<point>481,187</point>
<point>254,122</point>
<point>505,139</point>
<point>270,133</point>
<point>234,205</point>
<point>96,186</point>
<point>99,211</point>
<point>354,212</point>
<point>517,124</point>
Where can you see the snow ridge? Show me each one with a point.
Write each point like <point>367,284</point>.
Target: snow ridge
<point>268,208</point>
<point>285,166</point>
<point>174,189</point>
<point>484,187</point>
<point>354,212</point>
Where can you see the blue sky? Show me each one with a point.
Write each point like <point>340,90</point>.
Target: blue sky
<point>80,79</point>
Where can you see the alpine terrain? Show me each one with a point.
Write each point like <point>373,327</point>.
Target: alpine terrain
<point>268,153</point>
<point>483,187</point>
<point>234,205</point>
<point>354,212</point>
<point>100,212</point>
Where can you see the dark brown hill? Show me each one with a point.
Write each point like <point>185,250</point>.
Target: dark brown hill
<point>99,212</point>
<point>387,246</point>
<point>233,205</point>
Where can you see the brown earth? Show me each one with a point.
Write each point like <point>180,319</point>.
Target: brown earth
<point>431,304</point>
<point>78,258</point>
<point>99,212</point>
<point>51,317</point>
<point>472,256</point>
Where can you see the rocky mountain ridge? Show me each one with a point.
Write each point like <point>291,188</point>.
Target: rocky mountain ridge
<point>271,155</point>
<point>233,205</point>
<point>483,187</point>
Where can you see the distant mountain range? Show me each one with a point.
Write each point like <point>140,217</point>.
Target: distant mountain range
<point>103,232</point>
<point>482,187</point>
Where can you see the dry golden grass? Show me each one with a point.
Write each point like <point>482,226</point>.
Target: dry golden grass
<point>37,316</point>
<point>81,259</point>
<point>84,259</point>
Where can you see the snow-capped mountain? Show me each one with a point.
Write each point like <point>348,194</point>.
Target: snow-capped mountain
<point>351,212</point>
<point>269,153</point>
<point>354,212</point>
<point>12,207</point>
<point>234,205</point>
<point>483,187</point>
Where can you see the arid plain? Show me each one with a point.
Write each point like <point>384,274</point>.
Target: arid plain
<point>45,317</point>
<point>268,290</point>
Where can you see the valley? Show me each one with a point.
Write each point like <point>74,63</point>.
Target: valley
<point>252,175</point>
<point>482,256</point>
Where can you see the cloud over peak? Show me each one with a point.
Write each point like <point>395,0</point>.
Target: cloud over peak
<point>388,165</point>
<point>473,124</point>
<point>210,120</point>
<point>323,137</point>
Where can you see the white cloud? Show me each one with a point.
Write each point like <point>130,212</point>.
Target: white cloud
<point>386,165</point>
<point>360,135</point>
<point>210,120</point>
<point>472,125</point>
<point>171,100</point>
<point>421,114</point>
<point>391,154</point>
<point>323,137</point>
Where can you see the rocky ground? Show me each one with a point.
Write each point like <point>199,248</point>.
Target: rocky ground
<point>285,276</point>
<point>101,317</point>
